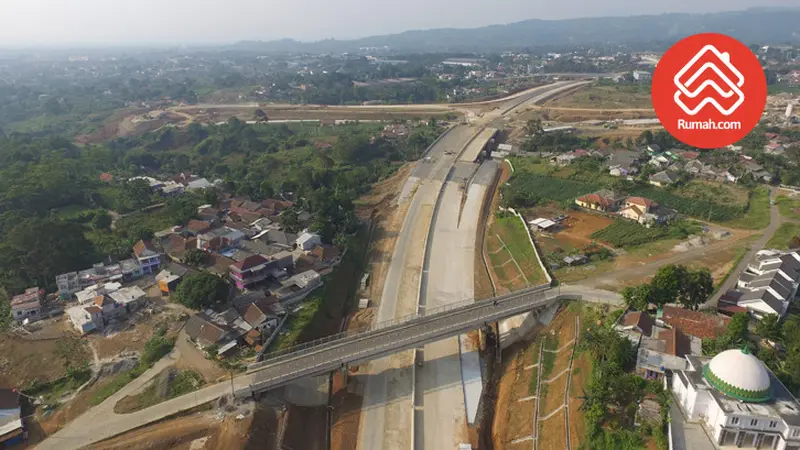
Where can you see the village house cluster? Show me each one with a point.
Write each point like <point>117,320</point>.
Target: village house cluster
<point>269,269</point>
<point>669,163</point>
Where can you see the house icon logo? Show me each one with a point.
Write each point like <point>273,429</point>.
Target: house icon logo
<point>702,81</point>
<point>709,90</point>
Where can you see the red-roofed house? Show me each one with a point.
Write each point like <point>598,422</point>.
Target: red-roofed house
<point>690,156</point>
<point>694,323</point>
<point>604,200</point>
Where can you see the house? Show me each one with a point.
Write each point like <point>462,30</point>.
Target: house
<point>306,241</point>
<point>641,76</point>
<point>280,238</point>
<point>768,285</point>
<point>195,227</point>
<point>219,239</point>
<point>664,350</point>
<point>273,207</point>
<point>575,260</point>
<point>635,324</point>
<point>208,214</point>
<point>660,161</point>
<point>693,323</point>
<point>72,282</point>
<point>261,315</point>
<point>297,287</point>
<point>251,270</point>
<point>130,298</point>
<point>658,348</point>
<point>86,318</point>
<point>646,212</point>
<point>167,281</point>
<point>108,307</point>
<point>693,167</point>
<point>567,158</point>
<point>603,200</point>
<point>542,224</point>
<point>205,333</point>
<point>737,401</point>
<point>622,163</point>
<point>326,254</point>
<point>147,255</point>
<point>663,178</point>
<point>27,306</point>
<point>12,430</point>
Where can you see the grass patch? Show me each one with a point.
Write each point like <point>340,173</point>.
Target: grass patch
<point>515,236</point>
<point>783,235</point>
<point>168,384</point>
<point>298,322</point>
<point>605,96</point>
<point>789,207</point>
<point>757,215</point>
<point>624,233</point>
<point>534,381</point>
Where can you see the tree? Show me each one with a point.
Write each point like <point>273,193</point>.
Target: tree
<point>260,116</point>
<point>533,127</point>
<point>769,327</point>
<point>195,257</point>
<point>101,221</point>
<point>289,220</point>
<point>201,290</point>
<point>696,287</point>
<point>637,297</point>
<point>666,284</point>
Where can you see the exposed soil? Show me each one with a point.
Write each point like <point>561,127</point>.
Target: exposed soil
<point>581,369</point>
<point>552,435</point>
<point>133,332</point>
<point>346,414</point>
<point>170,434</point>
<point>306,428</point>
<point>24,358</point>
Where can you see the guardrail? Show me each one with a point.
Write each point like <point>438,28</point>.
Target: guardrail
<point>299,350</point>
<point>398,343</point>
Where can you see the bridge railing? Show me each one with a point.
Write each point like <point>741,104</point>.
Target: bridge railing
<point>537,294</point>
<point>296,350</point>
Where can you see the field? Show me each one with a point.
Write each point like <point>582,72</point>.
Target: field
<point>626,233</point>
<point>598,96</point>
<point>511,255</point>
<point>703,200</point>
<point>729,194</point>
<point>783,236</point>
<point>756,216</point>
<point>789,207</point>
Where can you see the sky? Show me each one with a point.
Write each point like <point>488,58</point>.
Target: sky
<point>168,22</point>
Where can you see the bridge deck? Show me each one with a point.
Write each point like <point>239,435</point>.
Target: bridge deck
<point>407,334</point>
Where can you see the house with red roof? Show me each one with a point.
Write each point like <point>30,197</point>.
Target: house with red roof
<point>603,200</point>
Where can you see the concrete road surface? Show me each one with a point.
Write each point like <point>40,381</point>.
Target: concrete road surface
<point>775,221</point>
<point>387,412</point>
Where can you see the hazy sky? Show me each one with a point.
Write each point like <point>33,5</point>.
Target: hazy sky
<point>98,22</point>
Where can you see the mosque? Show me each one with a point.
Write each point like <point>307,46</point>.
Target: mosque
<point>738,401</point>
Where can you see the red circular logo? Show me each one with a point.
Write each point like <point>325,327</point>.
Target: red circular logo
<point>709,90</point>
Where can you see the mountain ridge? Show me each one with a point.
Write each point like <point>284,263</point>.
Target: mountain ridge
<point>773,25</point>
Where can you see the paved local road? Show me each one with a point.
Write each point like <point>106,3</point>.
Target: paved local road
<point>775,221</point>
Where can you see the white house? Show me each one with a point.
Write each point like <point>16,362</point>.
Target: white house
<point>770,283</point>
<point>738,401</point>
<point>307,241</point>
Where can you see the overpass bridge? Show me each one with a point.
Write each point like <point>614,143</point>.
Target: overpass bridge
<point>335,352</point>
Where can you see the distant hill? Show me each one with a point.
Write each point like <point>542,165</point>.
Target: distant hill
<point>756,25</point>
